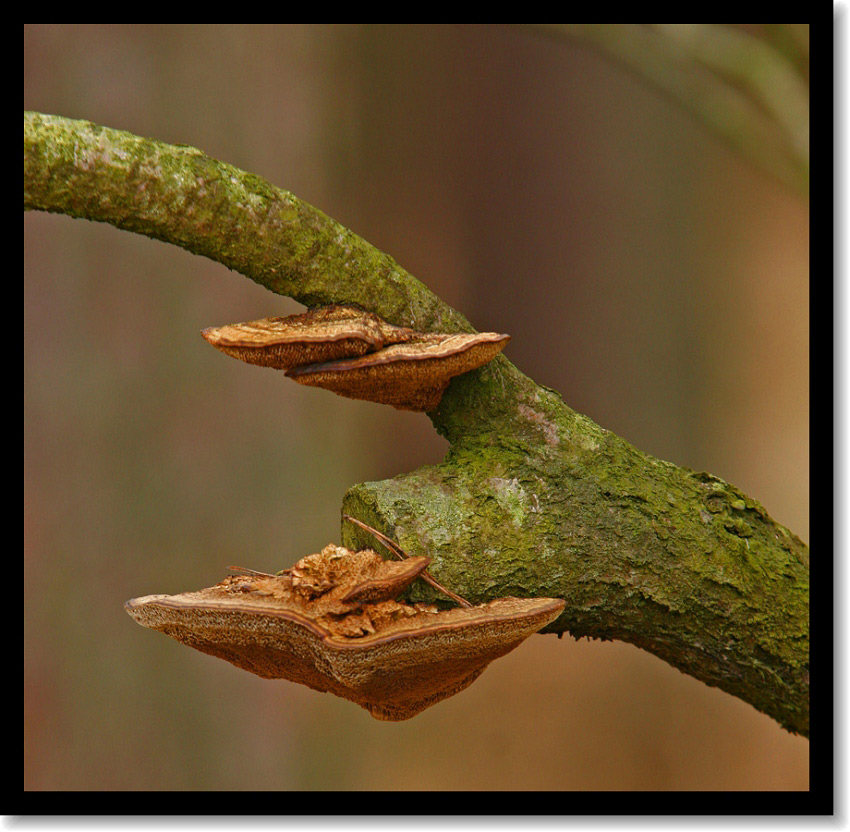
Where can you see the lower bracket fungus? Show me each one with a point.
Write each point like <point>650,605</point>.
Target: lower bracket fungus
<point>409,376</point>
<point>334,622</point>
<point>356,354</point>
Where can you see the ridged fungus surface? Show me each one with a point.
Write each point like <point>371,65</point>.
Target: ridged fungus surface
<point>333,622</point>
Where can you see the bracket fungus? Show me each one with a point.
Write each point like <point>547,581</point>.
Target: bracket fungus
<point>333,623</point>
<point>321,334</point>
<point>356,354</point>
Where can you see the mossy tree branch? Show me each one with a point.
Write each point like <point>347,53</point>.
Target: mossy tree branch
<point>533,499</point>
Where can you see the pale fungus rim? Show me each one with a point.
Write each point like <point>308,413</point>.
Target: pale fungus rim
<point>484,614</point>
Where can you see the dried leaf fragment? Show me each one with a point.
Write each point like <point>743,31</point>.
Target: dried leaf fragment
<point>329,624</point>
<point>395,578</point>
<point>366,575</point>
<point>409,376</point>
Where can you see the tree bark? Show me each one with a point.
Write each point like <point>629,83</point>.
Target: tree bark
<point>532,499</point>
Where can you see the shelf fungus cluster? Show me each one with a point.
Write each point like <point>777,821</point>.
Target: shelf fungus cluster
<point>333,622</point>
<point>358,355</point>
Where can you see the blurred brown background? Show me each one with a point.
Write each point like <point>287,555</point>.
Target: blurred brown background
<point>646,271</point>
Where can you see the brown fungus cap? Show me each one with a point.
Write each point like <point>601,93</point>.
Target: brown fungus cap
<point>331,623</point>
<point>409,376</point>
<point>322,334</point>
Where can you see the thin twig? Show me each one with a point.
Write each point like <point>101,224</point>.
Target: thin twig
<point>402,555</point>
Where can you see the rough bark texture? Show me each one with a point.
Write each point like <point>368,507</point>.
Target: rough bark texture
<point>533,499</point>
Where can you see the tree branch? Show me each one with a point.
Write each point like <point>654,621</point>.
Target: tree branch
<point>533,499</point>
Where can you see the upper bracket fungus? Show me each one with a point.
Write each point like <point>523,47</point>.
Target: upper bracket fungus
<point>333,622</point>
<point>358,355</point>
